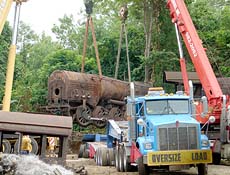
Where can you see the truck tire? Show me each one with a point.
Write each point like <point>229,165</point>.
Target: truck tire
<point>121,159</point>
<point>111,157</point>
<point>94,157</point>
<point>202,169</point>
<point>98,157</point>
<point>142,168</point>
<point>81,151</point>
<point>216,158</point>
<point>126,161</point>
<point>117,159</point>
<point>6,146</point>
<point>85,154</point>
<point>104,157</point>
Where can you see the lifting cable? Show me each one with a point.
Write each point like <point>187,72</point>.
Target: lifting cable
<point>123,15</point>
<point>89,10</point>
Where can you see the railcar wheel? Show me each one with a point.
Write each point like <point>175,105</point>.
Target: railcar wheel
<point>33,148</point>
<point>116,114</point>
<point>101,113</point>
<point>6,146</point>
<point>99,123</point>
<point>82,115</point>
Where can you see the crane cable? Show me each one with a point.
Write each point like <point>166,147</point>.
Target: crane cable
<point>89,10</point>
<point>123,16</point>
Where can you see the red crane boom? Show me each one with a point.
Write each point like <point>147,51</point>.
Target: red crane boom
<point>181,17</point>
<point>218,103</point>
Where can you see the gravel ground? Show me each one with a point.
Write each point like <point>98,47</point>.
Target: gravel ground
<point>93,169</point>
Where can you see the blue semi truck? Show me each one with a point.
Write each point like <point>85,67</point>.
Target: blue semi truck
<point>160,132</point>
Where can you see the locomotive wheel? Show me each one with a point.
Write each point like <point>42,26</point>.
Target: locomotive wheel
<point>101,113</point>
<point>99,123</point>
<point>82,116</point>
<point>116,114</point>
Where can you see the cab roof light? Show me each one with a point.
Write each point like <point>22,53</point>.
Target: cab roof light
<point>179,93</point>
<point>156,91</point>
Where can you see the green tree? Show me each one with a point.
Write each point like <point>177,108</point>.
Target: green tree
<point>211,19</point>
<point>66,32</point>
<point>5,40</point>
<point>30,59</point>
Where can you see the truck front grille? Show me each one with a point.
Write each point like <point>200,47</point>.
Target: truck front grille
<point>178,138</point>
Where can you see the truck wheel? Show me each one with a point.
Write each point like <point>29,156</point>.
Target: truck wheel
<point>85,154</point>
<point>94,157</point>
<point>127,166</point>
<point>202,169</point>
<point>104,159</point>
<point>216,158</point>
<point>6,146</point>
<point>121,159</point>
<point>142,168</point>
<point>111,157</point>
<point>117,159</point>
<point>98,156</point>
<point>81,151</point>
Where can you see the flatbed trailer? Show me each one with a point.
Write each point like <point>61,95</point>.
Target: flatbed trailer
<point>15,125</point>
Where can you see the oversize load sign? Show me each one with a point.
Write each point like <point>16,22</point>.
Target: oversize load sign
<point>179,157</point>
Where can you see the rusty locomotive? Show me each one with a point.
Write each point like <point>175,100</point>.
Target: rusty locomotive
<point>88,98</point>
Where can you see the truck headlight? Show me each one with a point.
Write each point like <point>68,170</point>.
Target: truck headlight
<point>148,145</point>
<point>204,143</point>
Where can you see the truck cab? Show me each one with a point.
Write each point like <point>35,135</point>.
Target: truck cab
<point>167,133</point>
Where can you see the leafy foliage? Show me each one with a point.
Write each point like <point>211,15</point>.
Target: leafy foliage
<point>211,18</point>
<point>5,39</point>
<point>38,56</point>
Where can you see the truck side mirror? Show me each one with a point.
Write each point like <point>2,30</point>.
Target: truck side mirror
<point>131,108</point>
<point>193,105</point>
<point>205,106</point>
<point>212,119</point>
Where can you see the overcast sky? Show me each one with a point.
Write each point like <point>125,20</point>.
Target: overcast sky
<point>42,14</point>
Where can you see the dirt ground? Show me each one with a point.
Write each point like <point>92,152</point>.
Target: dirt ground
<point>93,169</point>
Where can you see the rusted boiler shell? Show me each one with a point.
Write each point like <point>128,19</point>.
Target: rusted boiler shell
<point>75,86</point>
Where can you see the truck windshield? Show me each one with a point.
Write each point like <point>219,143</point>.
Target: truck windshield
<point>167,107</point>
